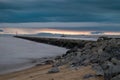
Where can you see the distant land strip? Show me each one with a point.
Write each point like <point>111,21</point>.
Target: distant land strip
<point>61,42</point>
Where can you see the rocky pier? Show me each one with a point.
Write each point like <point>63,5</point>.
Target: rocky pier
<point>103,55</point>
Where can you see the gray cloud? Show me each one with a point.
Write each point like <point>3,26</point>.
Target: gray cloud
<point>1,30</point>
<point>87,26</point>
<point>97,32</point>
<point>59,11</point>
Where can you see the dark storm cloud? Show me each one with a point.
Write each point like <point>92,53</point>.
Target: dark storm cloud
<point>87,26</point>
<point>1,30</point>
<point>59,11</point>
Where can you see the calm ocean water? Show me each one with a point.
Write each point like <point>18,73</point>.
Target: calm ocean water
<point>17,54</point>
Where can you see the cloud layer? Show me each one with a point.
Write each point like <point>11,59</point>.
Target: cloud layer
<point>53,31</point>
<point>60,11</point>
<point>1,30</point>
<point>81,26</point>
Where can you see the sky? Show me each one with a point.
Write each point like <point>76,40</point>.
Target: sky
<point>76,15</point>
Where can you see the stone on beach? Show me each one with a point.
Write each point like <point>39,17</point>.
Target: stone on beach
<point>54,70</point>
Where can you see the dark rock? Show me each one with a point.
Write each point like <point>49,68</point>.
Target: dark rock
<point>58,57</point>
<point>54,70</point>
<point>111,71</point>
<point>103,38</point>
<point>104,66</point>
<point>115,61</point>
<point>115,70</point>
<point>76,61</point>
<point>39,64</point>
<point>49,62</point>
<point>59,63</point>
<point>98,69</point>
<point>114,51</point>
<point>116,77</point>
<point>72,50</point>
<point>108,72</point>
<point>88,76</point>
<point>104,56</point>
<point>94,58</point>
<point>86,62</point>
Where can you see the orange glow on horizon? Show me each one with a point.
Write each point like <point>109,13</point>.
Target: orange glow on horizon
<point>46,30</point>
<point>35,31</point>
<point>68,32</point>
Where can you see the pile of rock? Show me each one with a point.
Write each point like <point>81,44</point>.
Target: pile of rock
<point>103,55</point>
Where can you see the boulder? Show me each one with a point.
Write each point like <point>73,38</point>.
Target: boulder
<point>108,72</point>
<point>104,57</point>
<point>88,76</point>
<point>111,70</point>
<point>54,70</point>
<point>115,70</point>
<point>98,69</point>
<point>116,77</point>
<point>94,58</point>
<point>115,61</point>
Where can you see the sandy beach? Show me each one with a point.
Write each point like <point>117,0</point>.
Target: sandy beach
<point>40,73</point>
<point>92,62</point>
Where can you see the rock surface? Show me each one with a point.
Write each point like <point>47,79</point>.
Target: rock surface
<point>103,55</point>
<point>88,76</point>
<point>116,77</point>
<point>54,70</point>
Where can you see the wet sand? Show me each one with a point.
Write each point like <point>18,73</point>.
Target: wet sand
<point>40,73</point>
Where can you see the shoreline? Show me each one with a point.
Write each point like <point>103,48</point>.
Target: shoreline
<point>40,73</point>
<point>95,61</point>
<point>31,64</point>
<point>17,54</point>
